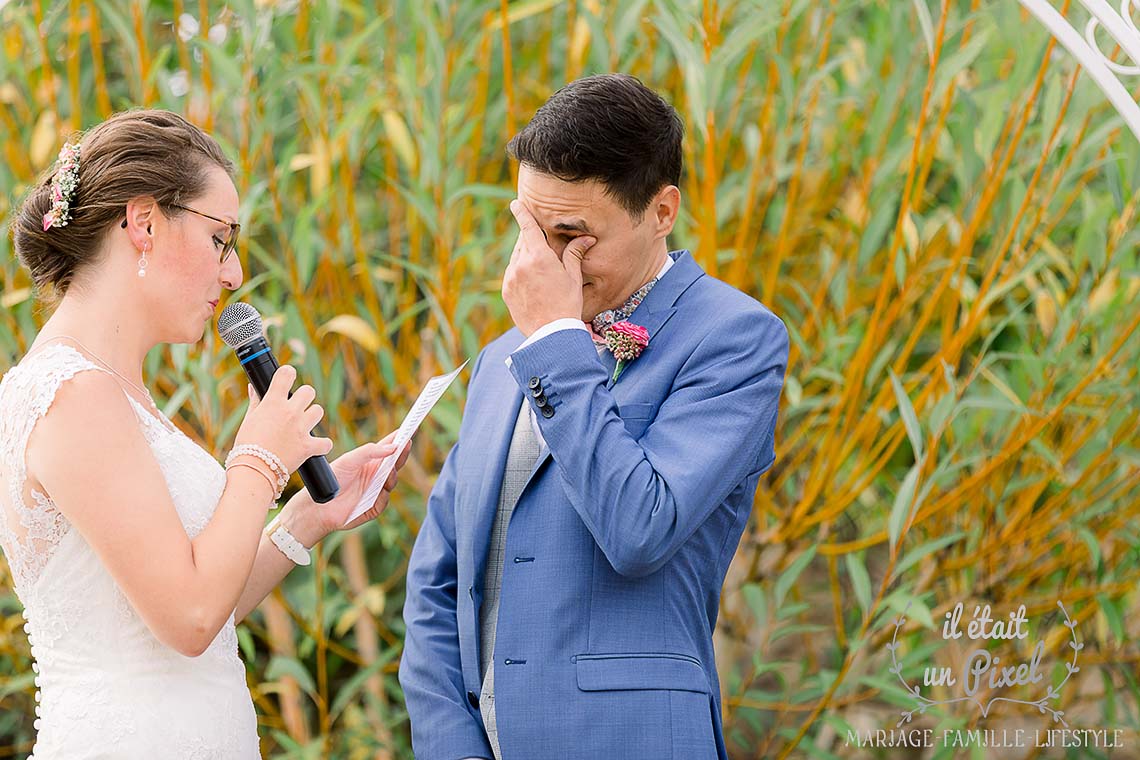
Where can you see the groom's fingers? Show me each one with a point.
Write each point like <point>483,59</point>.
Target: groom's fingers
<point>532,234</point>
<point>572,257</point>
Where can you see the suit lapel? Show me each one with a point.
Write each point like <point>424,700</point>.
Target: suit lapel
<point>658,307</point>
<point>500,411</point>
<point>543,455</point>
<point>652,314</point>
<point>608,363</point>
<point>652,321</point>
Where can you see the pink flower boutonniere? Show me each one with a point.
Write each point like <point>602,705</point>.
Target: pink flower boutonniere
<point>625,341</point>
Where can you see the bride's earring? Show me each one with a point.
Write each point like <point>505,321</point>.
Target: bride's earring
<point>143,260</point>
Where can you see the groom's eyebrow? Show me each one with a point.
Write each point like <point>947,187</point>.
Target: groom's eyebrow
<point>573,225</point>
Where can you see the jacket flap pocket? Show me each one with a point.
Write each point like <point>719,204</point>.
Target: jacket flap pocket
<point>635,411</point>
<point>618,672</point>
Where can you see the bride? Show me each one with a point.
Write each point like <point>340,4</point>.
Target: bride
<point>132,549</point>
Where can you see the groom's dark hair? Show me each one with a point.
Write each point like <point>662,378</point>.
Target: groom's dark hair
<point>610,128</point>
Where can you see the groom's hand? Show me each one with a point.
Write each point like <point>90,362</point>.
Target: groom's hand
<point>539,286</point>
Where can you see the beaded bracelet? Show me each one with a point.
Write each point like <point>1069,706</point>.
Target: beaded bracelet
<point>268,479</point>
<point>264,455</point>
<point>278,487</point>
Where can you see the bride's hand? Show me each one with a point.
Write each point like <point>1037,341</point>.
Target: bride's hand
<point>354,471</point>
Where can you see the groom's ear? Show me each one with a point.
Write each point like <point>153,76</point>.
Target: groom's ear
<point>663,210</point>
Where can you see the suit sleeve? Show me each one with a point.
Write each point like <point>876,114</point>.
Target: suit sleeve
<point>550,328</point>
<point>431,675</point>
<point>641,499</point>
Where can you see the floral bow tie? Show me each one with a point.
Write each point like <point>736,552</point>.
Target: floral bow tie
<point>605,319</point>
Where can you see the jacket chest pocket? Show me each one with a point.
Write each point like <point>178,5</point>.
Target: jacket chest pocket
<point>636,417</point>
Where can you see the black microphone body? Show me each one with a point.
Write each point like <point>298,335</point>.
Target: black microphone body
<point>259,363</point>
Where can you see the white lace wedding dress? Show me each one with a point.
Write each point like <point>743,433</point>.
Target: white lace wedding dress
<point>106,687</point>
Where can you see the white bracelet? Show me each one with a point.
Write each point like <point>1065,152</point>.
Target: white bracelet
<point>271,459</point>
<point>268,479</point>
<point>261,452</point>
<point>287,543</point>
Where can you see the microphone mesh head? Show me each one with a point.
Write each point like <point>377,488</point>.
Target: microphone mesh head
<point>238,324</point>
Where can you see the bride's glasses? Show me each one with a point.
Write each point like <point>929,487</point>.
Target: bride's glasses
<point>229,245</point>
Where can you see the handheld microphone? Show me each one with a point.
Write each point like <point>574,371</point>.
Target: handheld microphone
<point>240,327</point>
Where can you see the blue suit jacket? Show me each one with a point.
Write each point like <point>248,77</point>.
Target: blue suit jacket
<point>618,546</point>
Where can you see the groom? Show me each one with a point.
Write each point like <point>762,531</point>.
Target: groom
<point>563,589</point>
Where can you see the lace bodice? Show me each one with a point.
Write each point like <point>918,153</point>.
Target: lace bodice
<point>107,686</point>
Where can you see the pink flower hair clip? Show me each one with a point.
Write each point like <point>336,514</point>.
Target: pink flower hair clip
<point>63,186</point>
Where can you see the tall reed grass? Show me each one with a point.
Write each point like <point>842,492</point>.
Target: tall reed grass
<point>935,200</point>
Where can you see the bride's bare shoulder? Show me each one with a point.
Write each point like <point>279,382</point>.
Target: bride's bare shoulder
<point>87,417</point>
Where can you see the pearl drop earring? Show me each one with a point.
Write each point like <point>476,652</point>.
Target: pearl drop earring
<point>143,260</point>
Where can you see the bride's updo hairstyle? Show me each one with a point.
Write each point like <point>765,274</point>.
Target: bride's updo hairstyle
<point>143,153</point>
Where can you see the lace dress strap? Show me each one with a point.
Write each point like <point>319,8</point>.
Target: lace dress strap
<point>31,528</point>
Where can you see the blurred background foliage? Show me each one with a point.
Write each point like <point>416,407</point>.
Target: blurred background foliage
<point>929,193</point>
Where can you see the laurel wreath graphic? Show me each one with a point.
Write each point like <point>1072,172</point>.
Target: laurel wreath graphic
<point>925,703</point>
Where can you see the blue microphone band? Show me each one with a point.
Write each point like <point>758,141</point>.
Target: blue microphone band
<point>254,356</point>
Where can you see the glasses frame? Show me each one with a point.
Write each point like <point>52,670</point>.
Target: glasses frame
<point>228,246</point>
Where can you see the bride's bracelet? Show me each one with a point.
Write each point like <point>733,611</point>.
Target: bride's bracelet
<point>268,478</point>
<point>261,453</point>
<point>286,543</point>
<point>281,480</point>
<point>271,459</point>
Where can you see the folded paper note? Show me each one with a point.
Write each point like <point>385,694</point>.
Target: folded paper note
<point>428,396</point>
